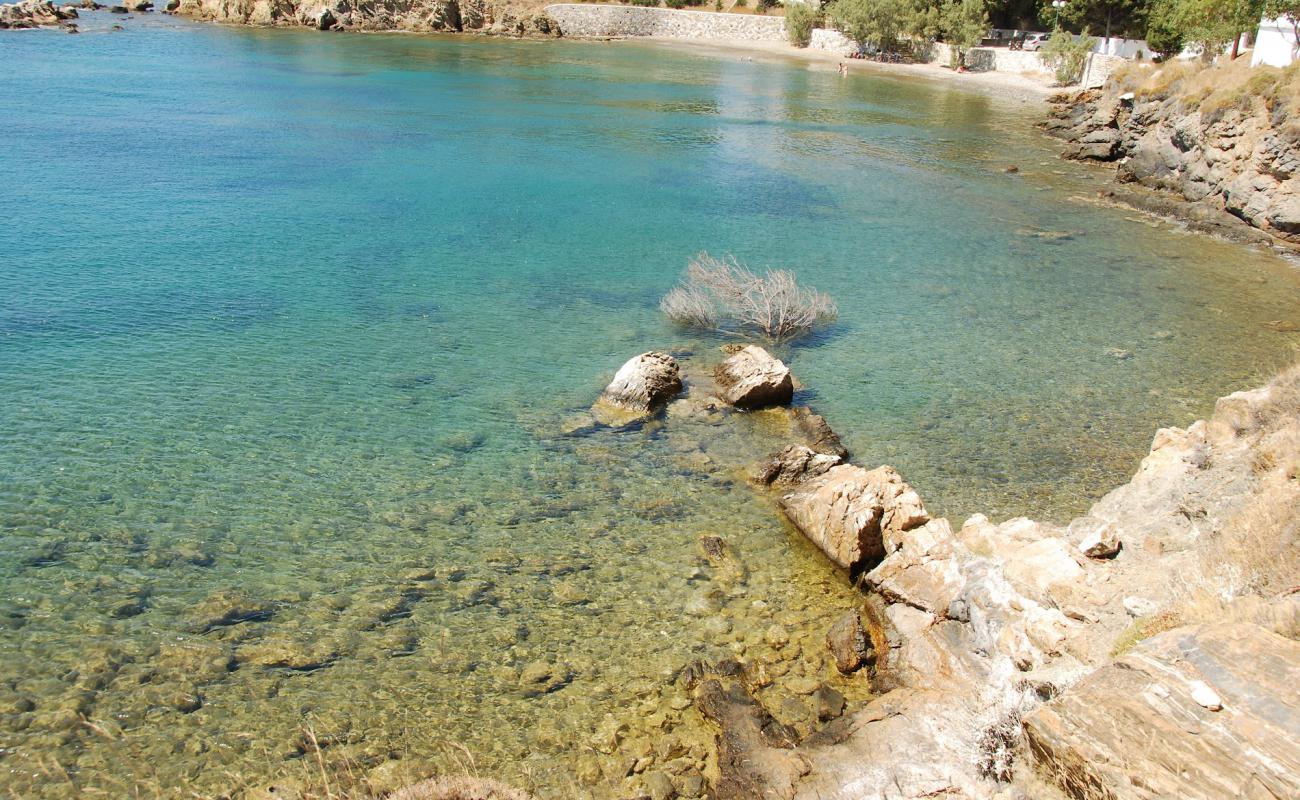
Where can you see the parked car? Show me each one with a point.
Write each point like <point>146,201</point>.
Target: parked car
<point>1035,41</point>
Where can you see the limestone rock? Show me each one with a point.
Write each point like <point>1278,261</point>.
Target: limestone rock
<point>922,572</point>
<point>793,466</point>
<point>752,378</point>
<point>1096,538</point>
<point>641,386</point>
<point>1146,728</point>
<point>850,512</point>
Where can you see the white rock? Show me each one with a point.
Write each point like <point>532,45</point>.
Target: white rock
<point>1206,697</point>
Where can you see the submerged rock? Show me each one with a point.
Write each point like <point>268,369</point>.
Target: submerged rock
<point>752,378</point>
<point>642,386</point>
<point>227,607</point>
<point>849,643</point>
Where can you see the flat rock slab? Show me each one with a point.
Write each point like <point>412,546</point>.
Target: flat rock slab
<point>1143,728</point>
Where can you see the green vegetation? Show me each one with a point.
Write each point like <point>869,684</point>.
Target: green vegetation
<point>1066,55</point>
<point>962,24</point>
<point>883,23</point>
<point>1211,24</point>
<point>799,18</point>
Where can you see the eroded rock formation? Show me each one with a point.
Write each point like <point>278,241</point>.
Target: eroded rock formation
<point>1239,163</point>
<point>34,14</point>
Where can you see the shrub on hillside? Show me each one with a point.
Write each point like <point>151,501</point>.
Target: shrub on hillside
<point>799,23</point>
<point>725,296</point>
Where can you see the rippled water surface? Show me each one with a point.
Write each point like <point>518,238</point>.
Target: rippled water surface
<point>291,325</point>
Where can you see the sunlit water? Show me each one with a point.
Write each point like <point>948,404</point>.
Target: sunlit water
<point>290,326</point>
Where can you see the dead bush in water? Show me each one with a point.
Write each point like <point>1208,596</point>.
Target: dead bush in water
<point>724,295</point>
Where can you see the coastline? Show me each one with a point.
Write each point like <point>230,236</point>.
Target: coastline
<point>835,752</point>
<point>1016,88</point>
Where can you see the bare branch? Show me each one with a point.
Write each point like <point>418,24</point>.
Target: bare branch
<point>726,296</point>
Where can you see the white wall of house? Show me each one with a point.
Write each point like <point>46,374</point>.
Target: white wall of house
<point>1276,43</point>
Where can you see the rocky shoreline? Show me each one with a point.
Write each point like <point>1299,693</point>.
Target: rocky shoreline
<point>1227,170</point>
<point>1022,659</point>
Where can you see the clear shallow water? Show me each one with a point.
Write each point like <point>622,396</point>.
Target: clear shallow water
<point>292,321</point>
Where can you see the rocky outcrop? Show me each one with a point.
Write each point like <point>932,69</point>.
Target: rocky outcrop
<point>1239,162</point>
<point>497,17</point>
<point>752,378</point>
<point>1198,713</point>
<point>852,513</point>
<point>34,14</point>
<point>641,386</point>
<point>996,644</point>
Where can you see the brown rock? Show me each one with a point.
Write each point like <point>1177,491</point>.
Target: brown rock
<point>753,378</point>
<point>820,435</point>
<point>848,643</point>
<point>793,466</point>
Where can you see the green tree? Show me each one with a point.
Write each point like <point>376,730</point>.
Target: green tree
<point>1113,17</point>
<point>962,24</point>
<point>1212,24</point>
<point>798,22</point>
<point>1066,55</point>
<point>1163,36</point>
<point>878,22</point>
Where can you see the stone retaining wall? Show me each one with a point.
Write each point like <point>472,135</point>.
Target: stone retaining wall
<point>601,21</point>
<point>832,41</point>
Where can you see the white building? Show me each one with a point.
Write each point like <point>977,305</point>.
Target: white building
<point>1276,43</point>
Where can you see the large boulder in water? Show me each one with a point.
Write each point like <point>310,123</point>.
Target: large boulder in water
<point>640,387</point>
<point>753,378</point>
<point>852,513</point>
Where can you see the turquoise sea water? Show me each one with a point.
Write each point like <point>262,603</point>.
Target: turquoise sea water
<point>290,324</point>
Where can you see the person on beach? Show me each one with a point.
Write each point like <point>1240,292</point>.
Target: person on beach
<point>844,70</point>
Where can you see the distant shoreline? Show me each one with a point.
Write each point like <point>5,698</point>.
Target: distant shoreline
<point>1007,86</point>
